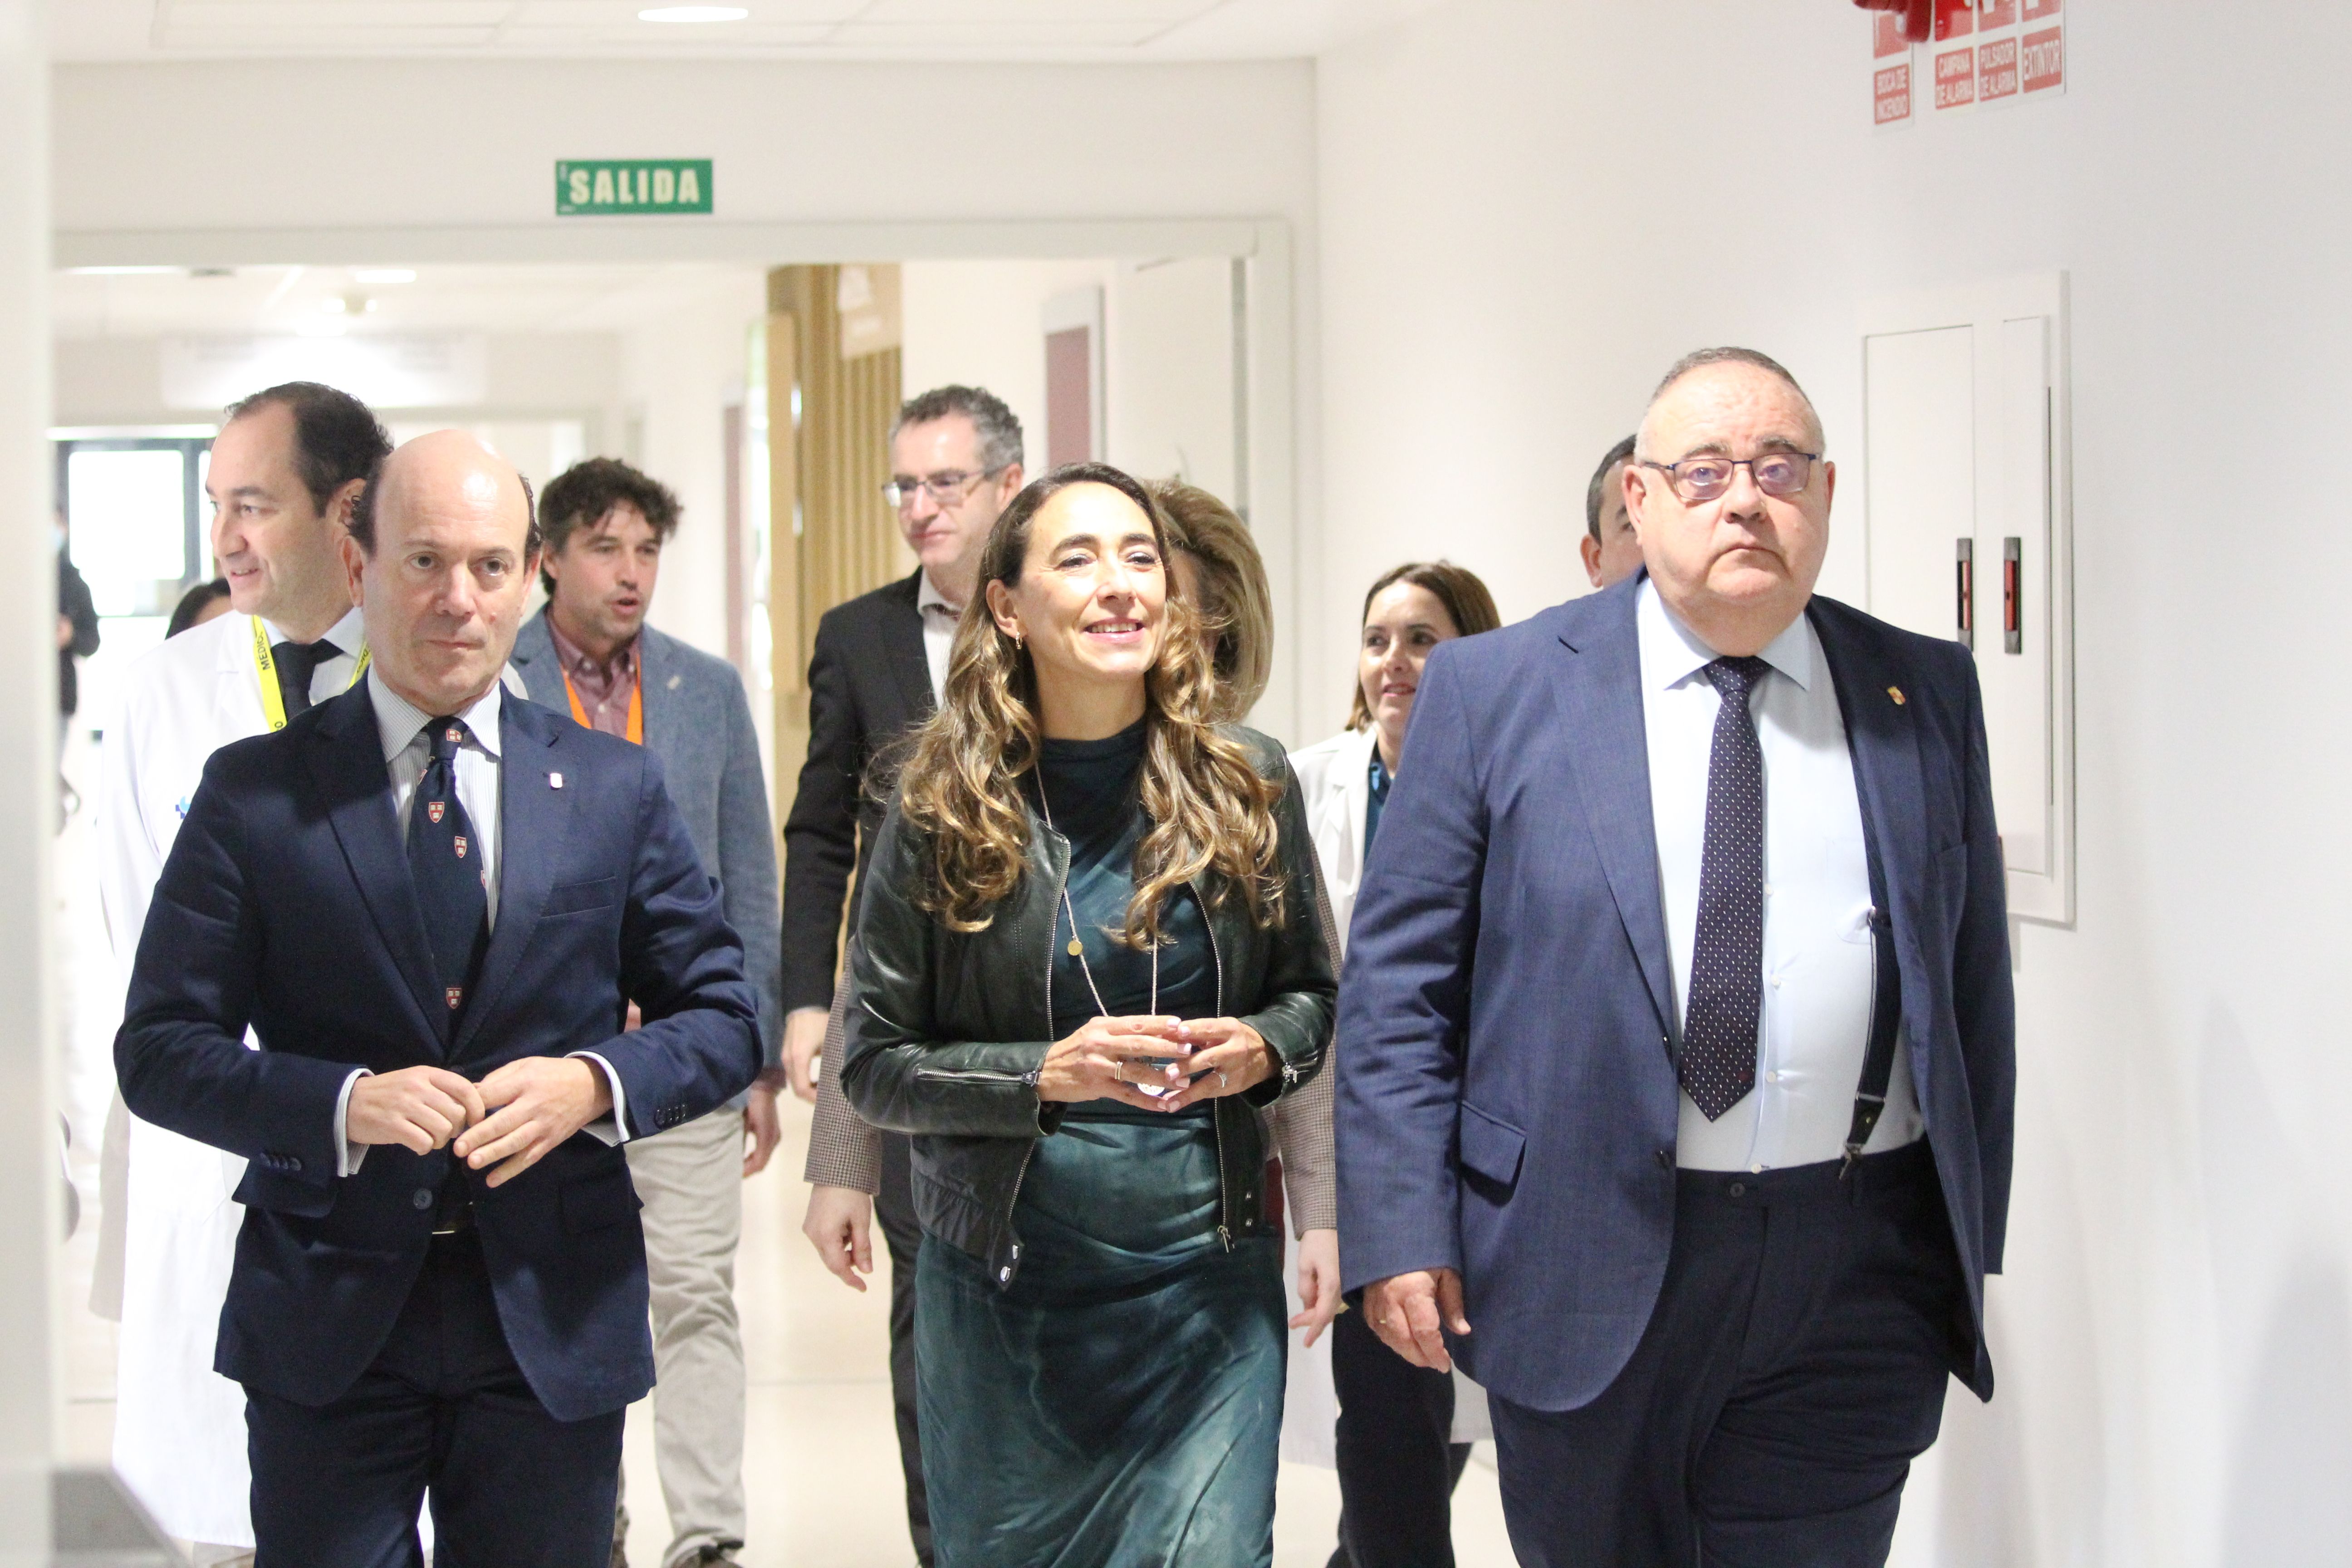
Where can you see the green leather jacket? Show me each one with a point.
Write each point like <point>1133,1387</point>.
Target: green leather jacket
<point>947,1031</point>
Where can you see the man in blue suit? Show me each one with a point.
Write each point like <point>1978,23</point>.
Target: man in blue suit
<point>430,905</point>
<point>1679,1039</point>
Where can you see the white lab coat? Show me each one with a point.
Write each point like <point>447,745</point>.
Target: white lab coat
<point>179,1427</point>
<point>1335,777</point>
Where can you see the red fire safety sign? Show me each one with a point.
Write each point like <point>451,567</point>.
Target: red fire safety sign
<point>1997,71</point>
<point>1956,78</point>
<point>2044,56</point>
<point>1891,89</point>
<point>1983,54</point>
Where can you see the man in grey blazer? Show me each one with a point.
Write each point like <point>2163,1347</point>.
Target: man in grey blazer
<point>591,654</point>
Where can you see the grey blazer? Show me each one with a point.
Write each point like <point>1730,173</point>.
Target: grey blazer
<point>698,723</point>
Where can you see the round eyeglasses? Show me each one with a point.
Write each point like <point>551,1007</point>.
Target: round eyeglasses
<point>1777,474</point>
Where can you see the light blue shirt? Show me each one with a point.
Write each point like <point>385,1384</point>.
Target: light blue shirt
<point>1815,1025</point>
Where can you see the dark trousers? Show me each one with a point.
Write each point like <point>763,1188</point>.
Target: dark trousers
<point>443,1410</point>
<point>1794,1366</point>
<point>1397,1467</point>
<point>894,1206</point>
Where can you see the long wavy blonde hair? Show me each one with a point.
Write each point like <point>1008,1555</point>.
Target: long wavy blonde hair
<point>1211,813</point>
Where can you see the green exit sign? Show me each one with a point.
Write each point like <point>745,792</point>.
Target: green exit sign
<point>586,187</point>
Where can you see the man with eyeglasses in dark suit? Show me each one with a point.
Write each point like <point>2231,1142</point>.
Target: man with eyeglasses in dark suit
<point>877,671</point>
<point>1680,1039</point>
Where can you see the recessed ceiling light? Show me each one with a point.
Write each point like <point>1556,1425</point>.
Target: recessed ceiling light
<point>694,14</point>
<point>384,275</point>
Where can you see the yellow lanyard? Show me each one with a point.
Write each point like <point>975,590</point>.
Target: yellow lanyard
<point>273,700</point>
<point>636,706</point>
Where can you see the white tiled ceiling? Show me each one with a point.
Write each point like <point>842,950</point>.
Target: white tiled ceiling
<point>360,301</point>
<point>820,29</point>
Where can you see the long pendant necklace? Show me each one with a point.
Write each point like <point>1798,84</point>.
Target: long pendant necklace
<point>1078,948</point>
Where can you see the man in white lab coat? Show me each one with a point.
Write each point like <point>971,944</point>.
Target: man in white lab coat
<point>286,470</point>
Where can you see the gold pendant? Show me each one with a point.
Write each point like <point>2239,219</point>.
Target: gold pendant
<point>1076,947</point>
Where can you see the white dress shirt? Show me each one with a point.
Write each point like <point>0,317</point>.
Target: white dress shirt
<point>329,676</point>
<point>1815,1025</point>
<point>407,750</point>
<point>939,621</point>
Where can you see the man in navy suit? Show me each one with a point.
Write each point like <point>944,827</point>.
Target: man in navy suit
<point>430,905</point>
<point>1680,1044</point>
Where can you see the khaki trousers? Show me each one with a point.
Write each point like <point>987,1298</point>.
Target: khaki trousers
<point>692,1180</point>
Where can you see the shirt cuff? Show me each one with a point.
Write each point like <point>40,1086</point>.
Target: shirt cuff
<point>612,1129</point>
<point>348,1154</point>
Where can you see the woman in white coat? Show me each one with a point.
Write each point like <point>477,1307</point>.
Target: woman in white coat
<point>1402,1432</point>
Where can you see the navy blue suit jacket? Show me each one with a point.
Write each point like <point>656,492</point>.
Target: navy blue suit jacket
<point>1508,1104</point>
<point>287,905</point>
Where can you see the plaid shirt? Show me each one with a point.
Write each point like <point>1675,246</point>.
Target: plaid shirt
<point>604,689</point>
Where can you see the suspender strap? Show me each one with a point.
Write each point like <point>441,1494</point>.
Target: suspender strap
<point>1886,1020</point>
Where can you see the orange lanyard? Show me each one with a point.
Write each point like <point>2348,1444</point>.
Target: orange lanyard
<point>637,705</point>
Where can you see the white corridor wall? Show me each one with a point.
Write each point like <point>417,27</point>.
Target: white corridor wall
<point>1168,369</point>
<point>1529,208</point>
<point>679,377</point>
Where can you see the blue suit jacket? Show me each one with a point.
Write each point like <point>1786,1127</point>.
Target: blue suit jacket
<point>1507,1103</point>
<point>698,722</point>
<point>286,905</point>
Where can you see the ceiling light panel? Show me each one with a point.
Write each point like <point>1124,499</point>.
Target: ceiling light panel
<point>925,37</point>
<point>330,40</point>
<point>642,40</point>
<point>308,14</point>
<point>798,15</point>
<point>990,12</point>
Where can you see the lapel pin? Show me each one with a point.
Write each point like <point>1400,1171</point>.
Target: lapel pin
<point>674,680</point>
<point>555,780</point>
<point>1897,693</point>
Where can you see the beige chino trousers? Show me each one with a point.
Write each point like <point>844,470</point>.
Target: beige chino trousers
<point>691,1181</point>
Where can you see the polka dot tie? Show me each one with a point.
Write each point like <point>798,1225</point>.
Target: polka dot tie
<point>1718,1065</point>
<point>444,860</point>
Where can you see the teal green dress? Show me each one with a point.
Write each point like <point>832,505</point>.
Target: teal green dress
<point>1119,1404</point>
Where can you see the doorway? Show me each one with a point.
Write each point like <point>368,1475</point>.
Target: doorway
<point>665,361</point>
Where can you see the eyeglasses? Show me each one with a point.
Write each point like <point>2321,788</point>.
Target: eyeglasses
<point>946,489</point>
<point>1777,474</point>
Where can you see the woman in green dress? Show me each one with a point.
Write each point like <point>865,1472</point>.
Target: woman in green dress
<point>1089,949</point>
